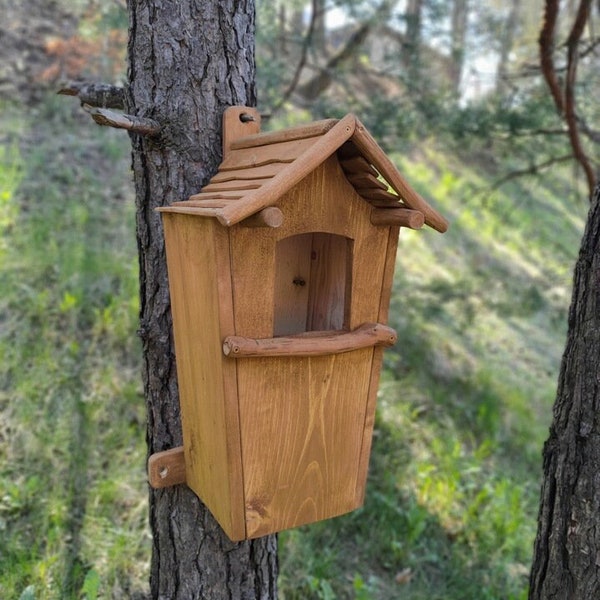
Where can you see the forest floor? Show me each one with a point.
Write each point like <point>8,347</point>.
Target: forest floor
<point>464,404</point>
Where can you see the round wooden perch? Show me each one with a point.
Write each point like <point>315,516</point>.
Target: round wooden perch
<point>404,217</point>
<point>311,343</point>
<point>267,217</point>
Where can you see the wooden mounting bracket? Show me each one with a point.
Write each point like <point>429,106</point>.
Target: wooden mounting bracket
<point>166,468</point>
<point>239,122</point>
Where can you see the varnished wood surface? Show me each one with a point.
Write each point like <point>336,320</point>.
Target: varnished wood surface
<point>201,298</point>
<point>299,132</point>
<point>321,344</point>
<point>301,438</point>
<point>403,217</point>
<point>167,468</point>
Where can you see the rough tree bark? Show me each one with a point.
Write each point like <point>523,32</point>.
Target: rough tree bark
<point>188,61</point>
<point>566,564</point>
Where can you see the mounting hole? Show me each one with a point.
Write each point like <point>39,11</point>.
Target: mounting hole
<point>246,118</point>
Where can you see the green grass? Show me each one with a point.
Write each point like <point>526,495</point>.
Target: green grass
<point>72,503</point>
<point>463,409</point>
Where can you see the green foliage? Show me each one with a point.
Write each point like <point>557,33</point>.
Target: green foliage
<point>465,398</point>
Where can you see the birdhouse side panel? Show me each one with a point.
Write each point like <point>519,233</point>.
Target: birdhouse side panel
<point>384,303</point>
<point>302,422</point>
<point>200,288</point>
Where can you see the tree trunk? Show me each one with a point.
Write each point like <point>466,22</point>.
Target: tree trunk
<point>507,37</point>
<point>566,563</point>
<point>460,17</point>
<point>188,61</point>
<point>412,47</point>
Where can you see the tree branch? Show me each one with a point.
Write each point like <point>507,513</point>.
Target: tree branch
<point>534,169</point>
<point>546,42</point>
<point>302,62</point>
<point>581,19</point>
<point>109,118</point>
<point>95,94</point>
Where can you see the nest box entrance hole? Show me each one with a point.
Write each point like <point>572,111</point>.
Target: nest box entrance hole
<point>313,273</point>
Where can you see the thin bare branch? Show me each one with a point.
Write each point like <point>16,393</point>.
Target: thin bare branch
<point>302,62</point>
<point>103,95</point>
<point>581,19</point>
<point>109,118</point>
<point>533,169</point>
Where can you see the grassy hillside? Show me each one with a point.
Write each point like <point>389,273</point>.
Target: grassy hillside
<point>464,405</point>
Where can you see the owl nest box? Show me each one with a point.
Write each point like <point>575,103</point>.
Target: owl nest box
<point>280,275</point>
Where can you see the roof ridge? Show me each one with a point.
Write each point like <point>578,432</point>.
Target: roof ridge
<point>280,183</point>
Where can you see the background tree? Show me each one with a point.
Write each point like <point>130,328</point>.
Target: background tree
<point>567,546</point>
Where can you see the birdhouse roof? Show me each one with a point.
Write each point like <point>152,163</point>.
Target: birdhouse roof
<point>258,169</point>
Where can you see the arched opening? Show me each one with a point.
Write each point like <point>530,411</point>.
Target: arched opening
<point>313,273</point>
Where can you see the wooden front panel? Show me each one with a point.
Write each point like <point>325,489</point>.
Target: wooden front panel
<point>302,423</point>
<point>323,203</point>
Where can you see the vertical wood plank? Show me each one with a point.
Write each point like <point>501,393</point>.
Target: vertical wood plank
<point>292,284</point>
<point>301,439</point>
<point>327,306</point>
<point>213,470</point>
<point>384,304</point>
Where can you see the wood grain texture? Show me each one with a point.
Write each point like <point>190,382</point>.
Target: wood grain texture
<point>303,442</point>
<point>299,132</point>
<point>283,152</point>
<point>322,344</point>
<point>384,304</point>
<point>199,279</point>
<point>166,468</point>
<point>402,217</point>
<point>239,122</point>
<point>301,439</point>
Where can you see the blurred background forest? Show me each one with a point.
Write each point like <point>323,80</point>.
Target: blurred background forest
<point>453,91</point>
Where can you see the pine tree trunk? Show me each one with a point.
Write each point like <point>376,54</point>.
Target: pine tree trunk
<point>188,61</point>
<point>566,564</point>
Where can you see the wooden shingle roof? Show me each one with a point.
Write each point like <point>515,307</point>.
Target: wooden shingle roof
<point>258,169</point>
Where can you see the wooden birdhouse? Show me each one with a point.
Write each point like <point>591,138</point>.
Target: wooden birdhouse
<point>280,275</point>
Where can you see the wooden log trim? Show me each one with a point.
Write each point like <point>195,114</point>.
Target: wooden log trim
<point>251,163</point>
<point>312,343</point>
<point>275,137</point>
<point>166,468</point>
<point>267,217</point>
<point>197,211</point>
<point>403,217</point>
